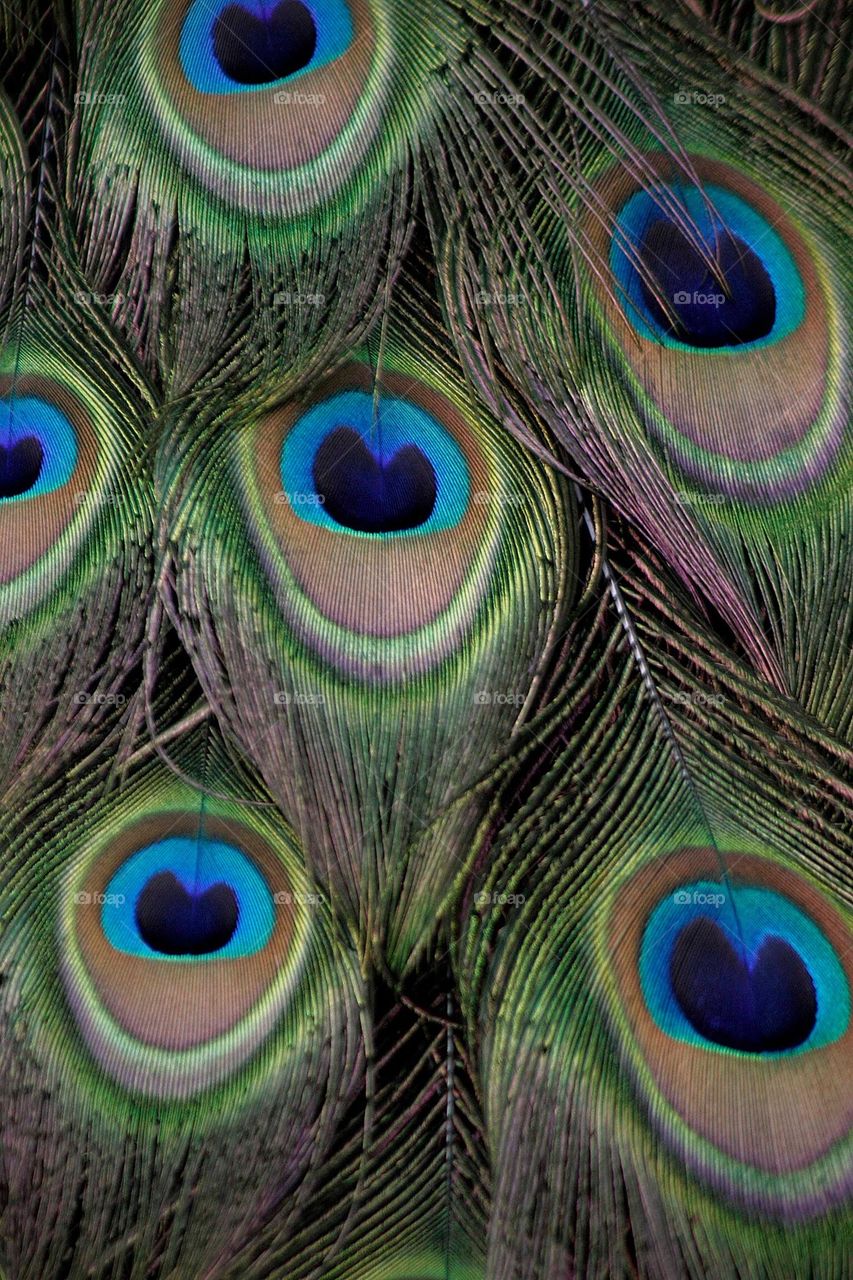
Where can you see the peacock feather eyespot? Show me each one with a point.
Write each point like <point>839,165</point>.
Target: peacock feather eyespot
<point>741,968</point>
<point>188,898</point>
<point>274,106</point>
<point>724,310</point>
<point>365,515</point>
<point>372,469</point>
<point>38,447</point>
<point>701,268</point>
<point>55,460</point>
<point>381,567</point>
<point>244,44</point>
<point>182,941</point>
<point>368,490</point>
<point>737,988</point>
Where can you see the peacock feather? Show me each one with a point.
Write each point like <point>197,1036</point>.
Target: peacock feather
<point>359,573</point>
<point>135,904</point>
<point>654,364</point>
<point>670,967</point>
<point>425,640</point>
<point>75,494</point>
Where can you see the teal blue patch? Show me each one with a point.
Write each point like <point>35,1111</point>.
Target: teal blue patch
<point>198,865</point>
<point>761,914</point>
<point>398,423</point>
<point>736,216</point>
<point>332,21</point>
<point>29,416</point>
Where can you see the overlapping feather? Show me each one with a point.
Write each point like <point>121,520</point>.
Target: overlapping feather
<point>404,770</point>
<point>736,464</point>
<point>617,1152</point>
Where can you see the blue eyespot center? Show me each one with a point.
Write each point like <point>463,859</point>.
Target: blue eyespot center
<point>702,271</point>
<point>370,493</point>
<point>38,448</point>
<point>183,900</point>
<point>244,46</point>
<point>761,1003</point>
<point>20,466</point>
<point>258,48</point>
<point>741,969</point>
<point>177,922</point>
<point>705,308</point>
<point>366,471</point>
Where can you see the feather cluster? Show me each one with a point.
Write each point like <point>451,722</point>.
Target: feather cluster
<point>426,615</point>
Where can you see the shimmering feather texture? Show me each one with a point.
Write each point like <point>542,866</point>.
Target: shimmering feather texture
<point>679,259</point>
<point>75,516</point>
<point>692,974</point>
<point>387,569</point>
<point>186,1056</point>
<point>425,640</point>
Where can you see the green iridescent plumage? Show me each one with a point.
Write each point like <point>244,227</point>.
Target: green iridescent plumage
<point>732,452</point>
<point>425,630</point>
<point>617,1130</point>
<point>75,515</point>
<point>258,1074</point>
<point>381,672</point>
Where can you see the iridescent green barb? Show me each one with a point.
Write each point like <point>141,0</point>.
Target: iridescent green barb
<point>258,1073</point>
<point>616,1124</point>
<point>426,613</point>
<point>718,422</point>
<point>354,660</point>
